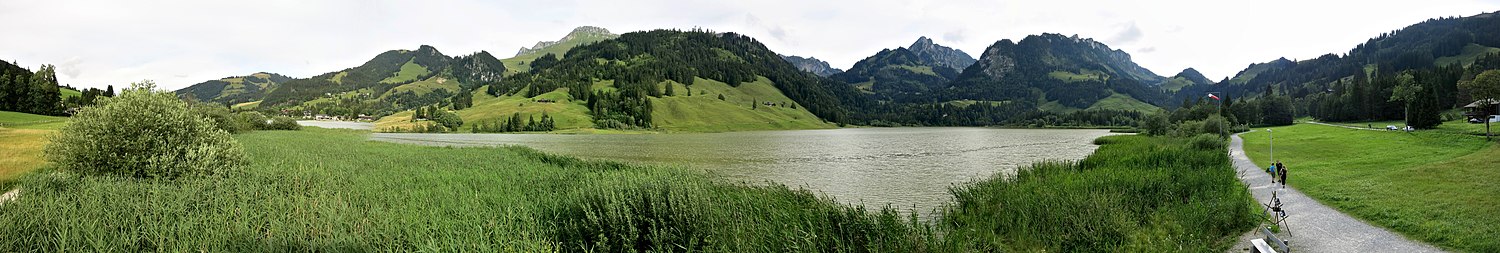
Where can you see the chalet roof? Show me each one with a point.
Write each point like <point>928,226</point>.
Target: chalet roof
<point>1478,103</point>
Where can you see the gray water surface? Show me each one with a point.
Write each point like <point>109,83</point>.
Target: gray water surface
<point>904,167</point>
<point>337,124</point>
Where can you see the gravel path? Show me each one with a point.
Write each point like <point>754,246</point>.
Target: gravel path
<point>1315,227</point>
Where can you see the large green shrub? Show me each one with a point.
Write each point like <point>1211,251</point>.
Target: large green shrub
<point>144,134</point>
<point>282,123</point>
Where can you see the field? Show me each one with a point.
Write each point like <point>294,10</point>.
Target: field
<point>23,136</point>
<point>331,190</point>
<point>522,63</point>
<point>1430,185</point>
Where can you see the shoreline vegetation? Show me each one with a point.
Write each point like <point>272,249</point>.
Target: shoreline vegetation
<point>320,189</point>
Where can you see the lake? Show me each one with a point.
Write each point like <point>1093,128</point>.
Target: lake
<point>904,167</point>
<point>338,124</point>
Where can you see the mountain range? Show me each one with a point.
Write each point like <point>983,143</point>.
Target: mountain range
<point>711,81</point>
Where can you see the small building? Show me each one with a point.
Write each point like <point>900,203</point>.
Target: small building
<point>1482,109</point>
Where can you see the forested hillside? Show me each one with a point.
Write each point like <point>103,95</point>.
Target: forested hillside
<point>1427,59</point>
<point>234,89</point>
<point>1057,73</point>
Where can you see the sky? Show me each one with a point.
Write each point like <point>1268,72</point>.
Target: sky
<point>179,43</point>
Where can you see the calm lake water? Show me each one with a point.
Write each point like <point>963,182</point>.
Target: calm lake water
<point>904,167</point>
<point>337,124</point>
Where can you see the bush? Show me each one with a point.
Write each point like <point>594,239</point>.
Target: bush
<point>1216,125</point>
<point>1207,141</point>
<point>283,123</point>
<point>253,120</point>
<point>1187,128</point>
<point>220,117</point>
<point>1156,124</point>
<point>144,134</point>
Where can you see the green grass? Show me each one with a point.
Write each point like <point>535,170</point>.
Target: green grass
<point>1175,84</point>
<point>1470,52</point>
<point>339,78</point>
<point>19,120</point>
<point>246,105</point>
<point>704,112</point>
<point>1086,75</point>
<point>1134,194</point>
<point>1430,186</point>
<point>331,190</point>
<point>66,92</point>
<point>924,70</point>
<point>1449,127</point>
<point>23,135</point>
<point>425,86</point>
<point>1119,101</point>
<point>409,71</point>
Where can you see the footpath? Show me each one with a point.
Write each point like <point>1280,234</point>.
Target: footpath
<point>1313,226</point>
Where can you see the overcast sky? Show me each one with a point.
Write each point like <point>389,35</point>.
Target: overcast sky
<point>179,43</point>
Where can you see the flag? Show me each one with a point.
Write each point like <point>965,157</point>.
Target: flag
<point>1211,95</point>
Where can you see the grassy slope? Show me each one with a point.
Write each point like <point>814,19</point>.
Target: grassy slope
<point>1087,75</point>
<point>246,105</point>
<point>1430,186</point>
<point>425,86</point>
<point>66,92</point>
<point>409,71</point>
<point>706,113</point>
<point>331,190</point>
<point>1175,84</point>
<point>1471,51</point>
<point>1119,101</point>
<point>23,136</point>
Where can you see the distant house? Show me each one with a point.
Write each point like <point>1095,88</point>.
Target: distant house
<point>322,117</point>
<point>1482,109</point>
<point>363,117</point>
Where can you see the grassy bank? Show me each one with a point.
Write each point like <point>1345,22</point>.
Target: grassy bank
<point>330,190</point>
<point>1430,186</point>
<point>1134,194</point>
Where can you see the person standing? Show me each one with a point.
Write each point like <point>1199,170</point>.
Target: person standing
<point>1282,170</point>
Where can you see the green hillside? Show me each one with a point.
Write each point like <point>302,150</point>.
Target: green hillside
<point>1467,56</point>
<point>704,112</point>
<point>66,92</point>
<point>234,89</point>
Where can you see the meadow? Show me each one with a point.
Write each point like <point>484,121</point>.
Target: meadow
<point>1430,185</point>
<point>23,136</point>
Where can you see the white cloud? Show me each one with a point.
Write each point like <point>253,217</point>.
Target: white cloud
<point>98,42</point>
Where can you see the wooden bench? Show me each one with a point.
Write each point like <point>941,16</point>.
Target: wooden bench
<point>1271,241</point>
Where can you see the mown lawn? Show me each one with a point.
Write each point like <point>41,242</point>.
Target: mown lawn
<point>331,190</point>
<point>1432,186</point>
